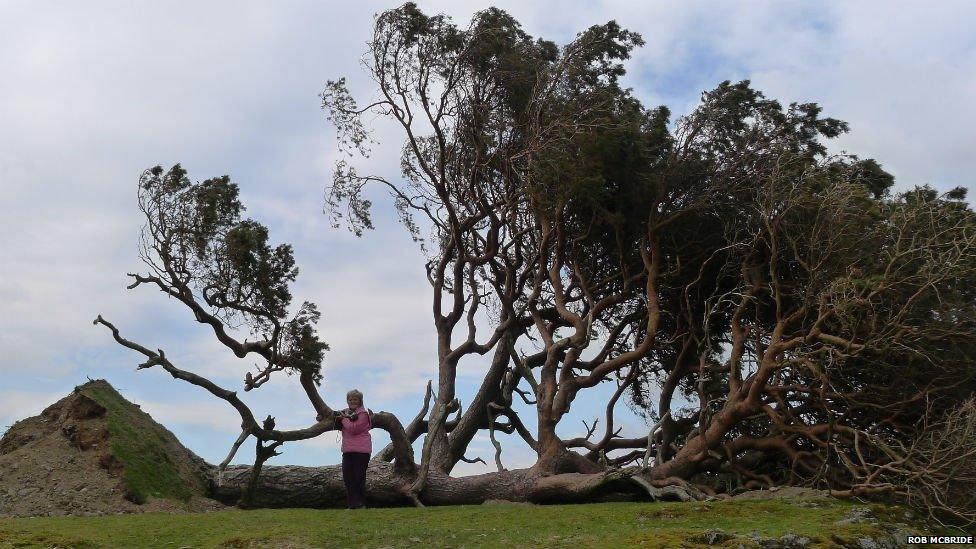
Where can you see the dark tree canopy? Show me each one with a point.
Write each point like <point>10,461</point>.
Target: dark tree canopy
<point>777,312</point>
<point>224,269</point>
<point>196,243</point>
<point>726,260</point>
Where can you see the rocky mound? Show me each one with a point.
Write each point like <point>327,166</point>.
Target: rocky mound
<point>93,452</point>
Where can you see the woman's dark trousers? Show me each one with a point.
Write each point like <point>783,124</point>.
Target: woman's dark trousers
<point>354,475</point>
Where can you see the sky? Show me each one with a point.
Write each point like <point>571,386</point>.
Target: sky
<point>93,93</point>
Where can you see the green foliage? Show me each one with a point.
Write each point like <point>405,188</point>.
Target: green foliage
<point>870,174</point>
<point>197,244</point>
<point>735,120</point>
<point>490,89</point>
<point>726,255</point>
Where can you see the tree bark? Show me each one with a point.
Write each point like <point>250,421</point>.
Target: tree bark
<point>322,487</point>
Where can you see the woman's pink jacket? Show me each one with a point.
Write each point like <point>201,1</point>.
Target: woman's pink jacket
<point>355,434</point>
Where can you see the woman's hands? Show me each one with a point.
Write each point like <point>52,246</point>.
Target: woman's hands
<point>337,415</point>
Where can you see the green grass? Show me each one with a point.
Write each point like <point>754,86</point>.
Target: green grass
<point>148,468</point>
<point>576,526</point>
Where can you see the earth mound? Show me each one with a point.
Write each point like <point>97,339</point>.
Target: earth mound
<point>94,452</point>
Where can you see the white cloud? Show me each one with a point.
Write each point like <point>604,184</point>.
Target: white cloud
<point>213,414</point>
<point>17,405</point>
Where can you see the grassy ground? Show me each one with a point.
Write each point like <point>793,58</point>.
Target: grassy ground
<point>596,525</point>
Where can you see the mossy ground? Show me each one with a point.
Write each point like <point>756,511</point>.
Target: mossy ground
<point>595,525</point>
<point>145,450</point>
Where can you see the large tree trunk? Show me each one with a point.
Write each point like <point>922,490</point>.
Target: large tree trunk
<point>686,461</point>
<point>318,487</point>
<point>321,487</point>
<point>475,417</point>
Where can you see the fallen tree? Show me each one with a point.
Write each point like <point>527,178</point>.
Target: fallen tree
<point>748,293</point>
<point>730,263</point>
<point>220,266</point>
<point>200,252</point>
<point>296,486</point>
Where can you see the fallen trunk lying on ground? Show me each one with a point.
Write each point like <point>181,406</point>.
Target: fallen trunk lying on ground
<point>318,487</point>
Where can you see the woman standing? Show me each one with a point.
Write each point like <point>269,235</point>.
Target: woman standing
<point>355,423</point>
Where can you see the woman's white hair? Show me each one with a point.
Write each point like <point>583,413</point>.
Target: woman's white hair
<point>355,393</point>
